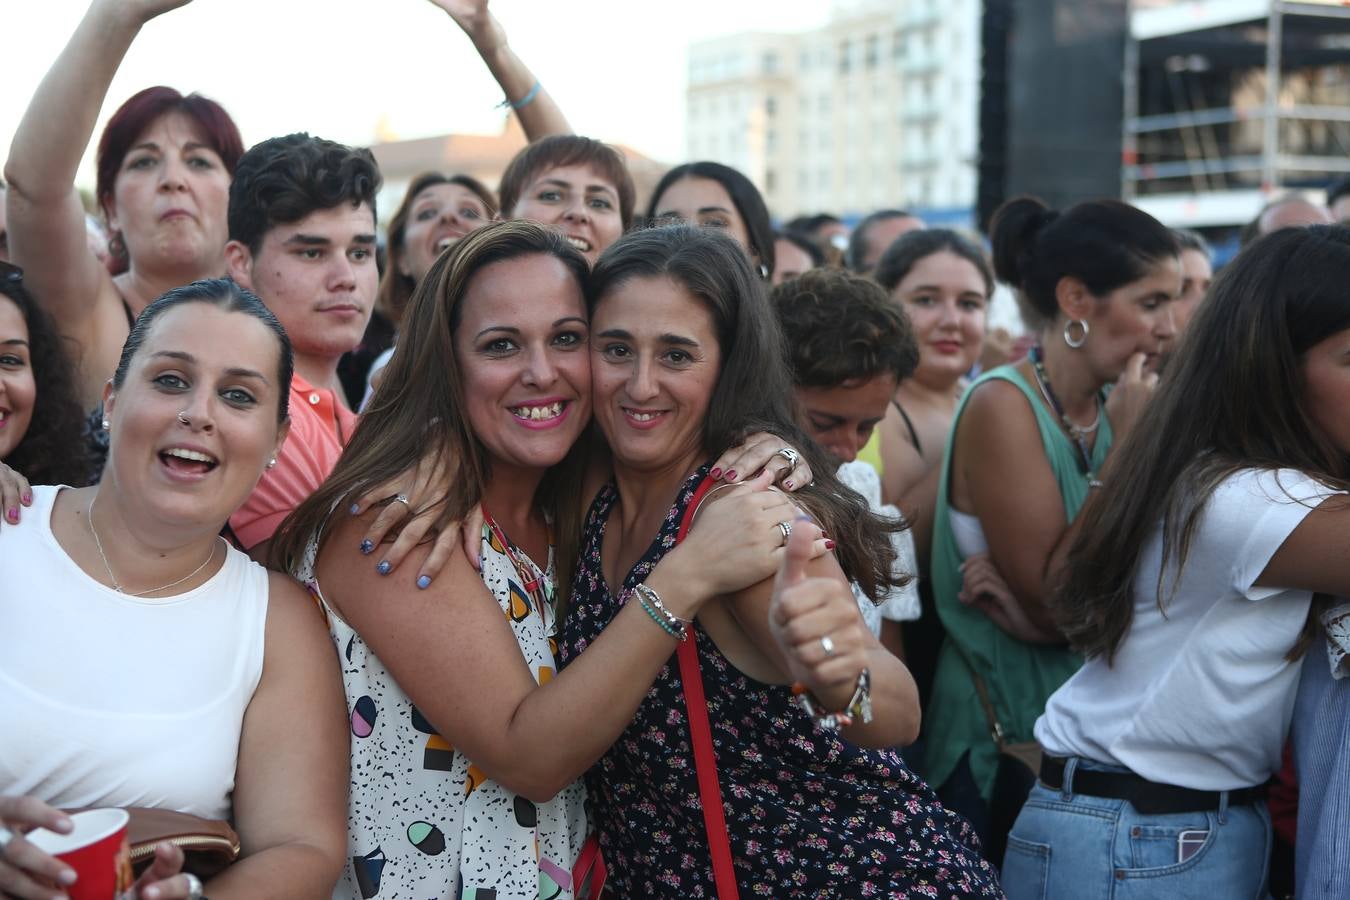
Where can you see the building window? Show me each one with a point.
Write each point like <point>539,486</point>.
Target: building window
<point>769,181</point>
<point>823,104</point>
<point>845,57</point>
<point>770,106</point>
<point>897,45</point>
<point>872,51</point>
<point>771,141</point>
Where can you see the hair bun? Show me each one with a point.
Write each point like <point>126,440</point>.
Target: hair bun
<point>1012,235</point>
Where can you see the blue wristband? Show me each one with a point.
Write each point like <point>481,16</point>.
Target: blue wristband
<point>523,101</point>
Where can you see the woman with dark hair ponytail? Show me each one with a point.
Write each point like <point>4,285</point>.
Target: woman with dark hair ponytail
<point>1027,443</point>
<point>1189,586</point>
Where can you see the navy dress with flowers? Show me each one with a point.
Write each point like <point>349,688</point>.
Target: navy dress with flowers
<point>809,814</point>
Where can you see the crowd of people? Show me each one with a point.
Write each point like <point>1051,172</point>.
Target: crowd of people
<point>543,544</point>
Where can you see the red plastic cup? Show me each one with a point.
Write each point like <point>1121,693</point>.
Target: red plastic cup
<point>96,849</point>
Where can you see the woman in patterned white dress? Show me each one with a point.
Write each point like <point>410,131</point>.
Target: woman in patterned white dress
<point>466,747</point>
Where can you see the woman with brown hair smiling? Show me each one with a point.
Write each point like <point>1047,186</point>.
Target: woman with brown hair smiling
<point>687,353</point>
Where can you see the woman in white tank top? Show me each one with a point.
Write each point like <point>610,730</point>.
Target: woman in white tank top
<point>148,663</point>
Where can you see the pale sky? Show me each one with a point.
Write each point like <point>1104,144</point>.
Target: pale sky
<point>336,68</point>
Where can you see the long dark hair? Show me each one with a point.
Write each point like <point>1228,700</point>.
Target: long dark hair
<point>418,410</point>
<point>754,390</point>
<point>1105,244</point>
<point>1233,400</point>
<point>749,202</point>
<point>53,450</point>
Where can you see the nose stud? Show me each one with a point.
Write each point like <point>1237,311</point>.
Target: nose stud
<point>182,417</point>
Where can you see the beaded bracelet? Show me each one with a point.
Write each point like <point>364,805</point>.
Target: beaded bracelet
<point>675,630</point>
<point>859,707</point>
<point>654,598</point>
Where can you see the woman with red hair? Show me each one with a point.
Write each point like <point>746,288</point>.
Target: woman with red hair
<point>164,167</point>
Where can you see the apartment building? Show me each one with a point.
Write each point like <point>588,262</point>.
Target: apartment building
<point>878,108</point>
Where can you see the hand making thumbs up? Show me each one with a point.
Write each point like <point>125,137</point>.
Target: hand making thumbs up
<point>817,626</point>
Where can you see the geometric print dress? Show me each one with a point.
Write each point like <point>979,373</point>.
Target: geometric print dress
<point>808,813</point>
<point>423,821</point>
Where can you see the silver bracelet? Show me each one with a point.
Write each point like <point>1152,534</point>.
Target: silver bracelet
<point>652,597</point>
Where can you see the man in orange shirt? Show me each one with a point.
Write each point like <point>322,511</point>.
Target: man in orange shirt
<point>302,237</point>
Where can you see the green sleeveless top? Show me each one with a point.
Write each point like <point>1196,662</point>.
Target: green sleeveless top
<point>1020,677</point>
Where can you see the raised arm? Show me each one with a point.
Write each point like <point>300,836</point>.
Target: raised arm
<point>538,113</point>
<point>290,795</point>
<point>46,219</point>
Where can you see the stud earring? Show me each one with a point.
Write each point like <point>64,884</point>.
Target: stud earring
<point>107,426</point>
<point>271,462</point>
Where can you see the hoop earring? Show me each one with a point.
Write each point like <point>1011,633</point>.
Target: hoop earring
<point>117,246</point>
<point>1068,333</point>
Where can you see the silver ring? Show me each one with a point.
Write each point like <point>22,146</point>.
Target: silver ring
<point>827,645</point>
<point>5,837</point>
<point>182,417</point>
<point>194,886</point>
<point>402,498</point>
<point>792,456</point>
<point>786,529</point>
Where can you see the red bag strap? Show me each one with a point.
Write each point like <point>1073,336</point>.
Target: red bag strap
<point>589,874</point>
<point>700,733</point>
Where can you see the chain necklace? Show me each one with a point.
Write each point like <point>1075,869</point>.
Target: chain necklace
<point>113,578</point>
<point>1077,433</point>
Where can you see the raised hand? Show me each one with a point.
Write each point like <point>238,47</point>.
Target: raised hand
<point>142,10</point>
<point>477,21</point>
<point>817,626</point>
<point>1130,395</point>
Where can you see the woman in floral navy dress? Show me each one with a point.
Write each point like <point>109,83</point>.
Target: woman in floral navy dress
<point>686,354</point>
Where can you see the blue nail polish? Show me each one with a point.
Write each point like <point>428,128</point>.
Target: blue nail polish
<point>384,567</point>
<point>354,508</point>
<point>367,546</point>
<point>424,581</point>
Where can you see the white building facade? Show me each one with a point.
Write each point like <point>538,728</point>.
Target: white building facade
<point>877,109</point>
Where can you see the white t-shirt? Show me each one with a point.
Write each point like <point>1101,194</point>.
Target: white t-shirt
<point>1200,697</point>
<point>901,604</point>
<point>113,700</point>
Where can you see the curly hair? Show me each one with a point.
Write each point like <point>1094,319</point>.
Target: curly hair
<point>842,327</point>
<point>53,450</point>
<point>284,179</point>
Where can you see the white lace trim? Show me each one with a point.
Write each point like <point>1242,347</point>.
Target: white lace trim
<point>1336,621</point>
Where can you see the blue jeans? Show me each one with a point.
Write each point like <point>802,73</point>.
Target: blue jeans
<point>1068,846</point>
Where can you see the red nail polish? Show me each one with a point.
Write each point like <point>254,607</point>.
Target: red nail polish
<point>716,472</point>
<point>27,499</point>
<point>13,514</point>
<point>829,545</point>
<point>731,475</point>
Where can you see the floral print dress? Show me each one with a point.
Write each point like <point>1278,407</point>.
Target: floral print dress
<point>808,813</point>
